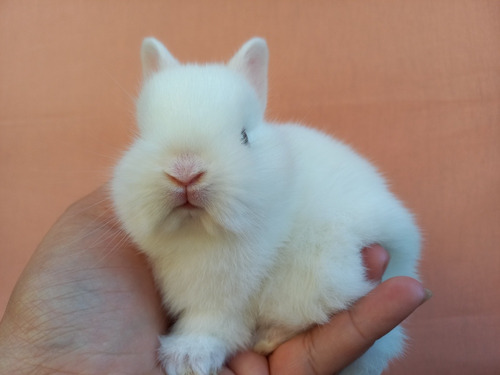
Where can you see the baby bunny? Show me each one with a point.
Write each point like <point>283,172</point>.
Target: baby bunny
<point>253,230</point>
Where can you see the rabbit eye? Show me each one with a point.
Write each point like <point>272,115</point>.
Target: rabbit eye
<point>244,137</point>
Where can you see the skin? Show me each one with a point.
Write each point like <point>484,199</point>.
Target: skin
<point>86,304</point>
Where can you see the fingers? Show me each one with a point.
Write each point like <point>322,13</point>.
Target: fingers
<point>329,348</point>
<point>247,363</point>
<point>388,305</point>
<point>375,259</point>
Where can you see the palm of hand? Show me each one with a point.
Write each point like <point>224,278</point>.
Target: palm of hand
<point>87,302</point>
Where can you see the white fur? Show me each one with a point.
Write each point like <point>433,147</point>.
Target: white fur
<point>274,245</point>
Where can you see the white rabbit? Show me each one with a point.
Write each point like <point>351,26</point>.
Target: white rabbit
<point>253,230</point>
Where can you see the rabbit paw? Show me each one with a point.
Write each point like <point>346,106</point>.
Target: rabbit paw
<point>191,354</point>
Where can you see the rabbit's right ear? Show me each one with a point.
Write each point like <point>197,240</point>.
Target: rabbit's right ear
<point>155,57</point>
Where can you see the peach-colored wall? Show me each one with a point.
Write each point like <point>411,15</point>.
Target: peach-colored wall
<point>414,85</point>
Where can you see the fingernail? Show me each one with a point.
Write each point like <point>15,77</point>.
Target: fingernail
<point>428,295</point>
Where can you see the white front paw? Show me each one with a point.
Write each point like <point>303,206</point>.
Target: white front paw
<point>191,354</point>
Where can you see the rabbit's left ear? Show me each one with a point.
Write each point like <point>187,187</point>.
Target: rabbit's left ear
<point>252,61</point>
<point>155,57</point>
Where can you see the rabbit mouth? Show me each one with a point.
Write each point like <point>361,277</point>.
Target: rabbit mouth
<point>189,198</point>
<point>189,206</point>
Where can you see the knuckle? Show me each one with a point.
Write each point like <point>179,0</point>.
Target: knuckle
<point>311,352</point>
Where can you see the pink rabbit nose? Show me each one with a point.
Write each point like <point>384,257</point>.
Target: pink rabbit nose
<point>185,179</point>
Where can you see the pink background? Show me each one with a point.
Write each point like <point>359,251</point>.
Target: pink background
<point>414,85</point>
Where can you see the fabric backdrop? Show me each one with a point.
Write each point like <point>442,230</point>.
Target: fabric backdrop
<point>413,85</point>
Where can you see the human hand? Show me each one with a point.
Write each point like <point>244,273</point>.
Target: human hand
<point>86,303</point>
<point>327,349</point>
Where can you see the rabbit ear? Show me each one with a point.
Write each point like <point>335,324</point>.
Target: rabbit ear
<point>251,61</point>
<point>155,57</point>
